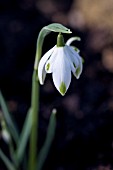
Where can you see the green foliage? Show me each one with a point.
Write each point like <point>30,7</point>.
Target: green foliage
<point>24,137</point>
<point>6,161</point>
<point>21,140</point>
<point>48,141</point>
<point>9,122</point>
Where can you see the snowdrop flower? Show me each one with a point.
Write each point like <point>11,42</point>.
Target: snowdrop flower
<point>61,60</point>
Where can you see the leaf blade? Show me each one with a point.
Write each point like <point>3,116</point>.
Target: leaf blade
<point>49,138</point>
<point>6,161</point>
<point>8,119</point>
<point>24,137</point>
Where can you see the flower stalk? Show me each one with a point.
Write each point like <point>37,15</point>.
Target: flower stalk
<point>33,149</point>
<point>33,146</point>
<point>34,131</point>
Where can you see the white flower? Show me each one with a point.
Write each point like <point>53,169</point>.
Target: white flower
<point>60,61</point>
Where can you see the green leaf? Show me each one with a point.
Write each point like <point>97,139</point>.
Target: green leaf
<point>49,138</point>
<point>24,137</point>
<point>12,153</point>
<point>56,27</point>
<point>6,161</point>
<point>10,124</point>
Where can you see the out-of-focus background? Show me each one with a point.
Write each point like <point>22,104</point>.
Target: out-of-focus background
<point>84,133</point>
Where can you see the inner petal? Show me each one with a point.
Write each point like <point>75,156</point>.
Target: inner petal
<point>50,62</point>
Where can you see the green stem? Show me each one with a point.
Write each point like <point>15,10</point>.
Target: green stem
<point>35,104</point>
<point>34,128</point>
<point>40,41</point>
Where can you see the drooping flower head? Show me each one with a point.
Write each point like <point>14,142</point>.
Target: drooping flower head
<point>60,60</point>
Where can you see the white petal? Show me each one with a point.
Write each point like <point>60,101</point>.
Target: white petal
<point>50,62</point>
<point>61,72</point>
<point>73,55</point>
<point>73,69</point>
<point>73,60</point>
<point>41,66</point>
<point>78,71</point>
<point>76,60</point>
<point>80,65</point>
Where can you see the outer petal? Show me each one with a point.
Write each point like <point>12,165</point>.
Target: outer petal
<point>80,66</point>
<point>79,69</point>
<point>76,60</point>
<point>72,55</point>
<point>41,66</point>
<point>62,71</point>
<point>70,60</point>
<point>73,60</point>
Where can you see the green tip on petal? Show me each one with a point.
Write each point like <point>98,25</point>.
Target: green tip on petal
<point>62,88</point>
<point>77,71</point>
<point>76,49</point>
<point>48,66</point>
<point>83,60</point>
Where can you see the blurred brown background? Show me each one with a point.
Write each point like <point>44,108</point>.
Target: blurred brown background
<point>84,134</point>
